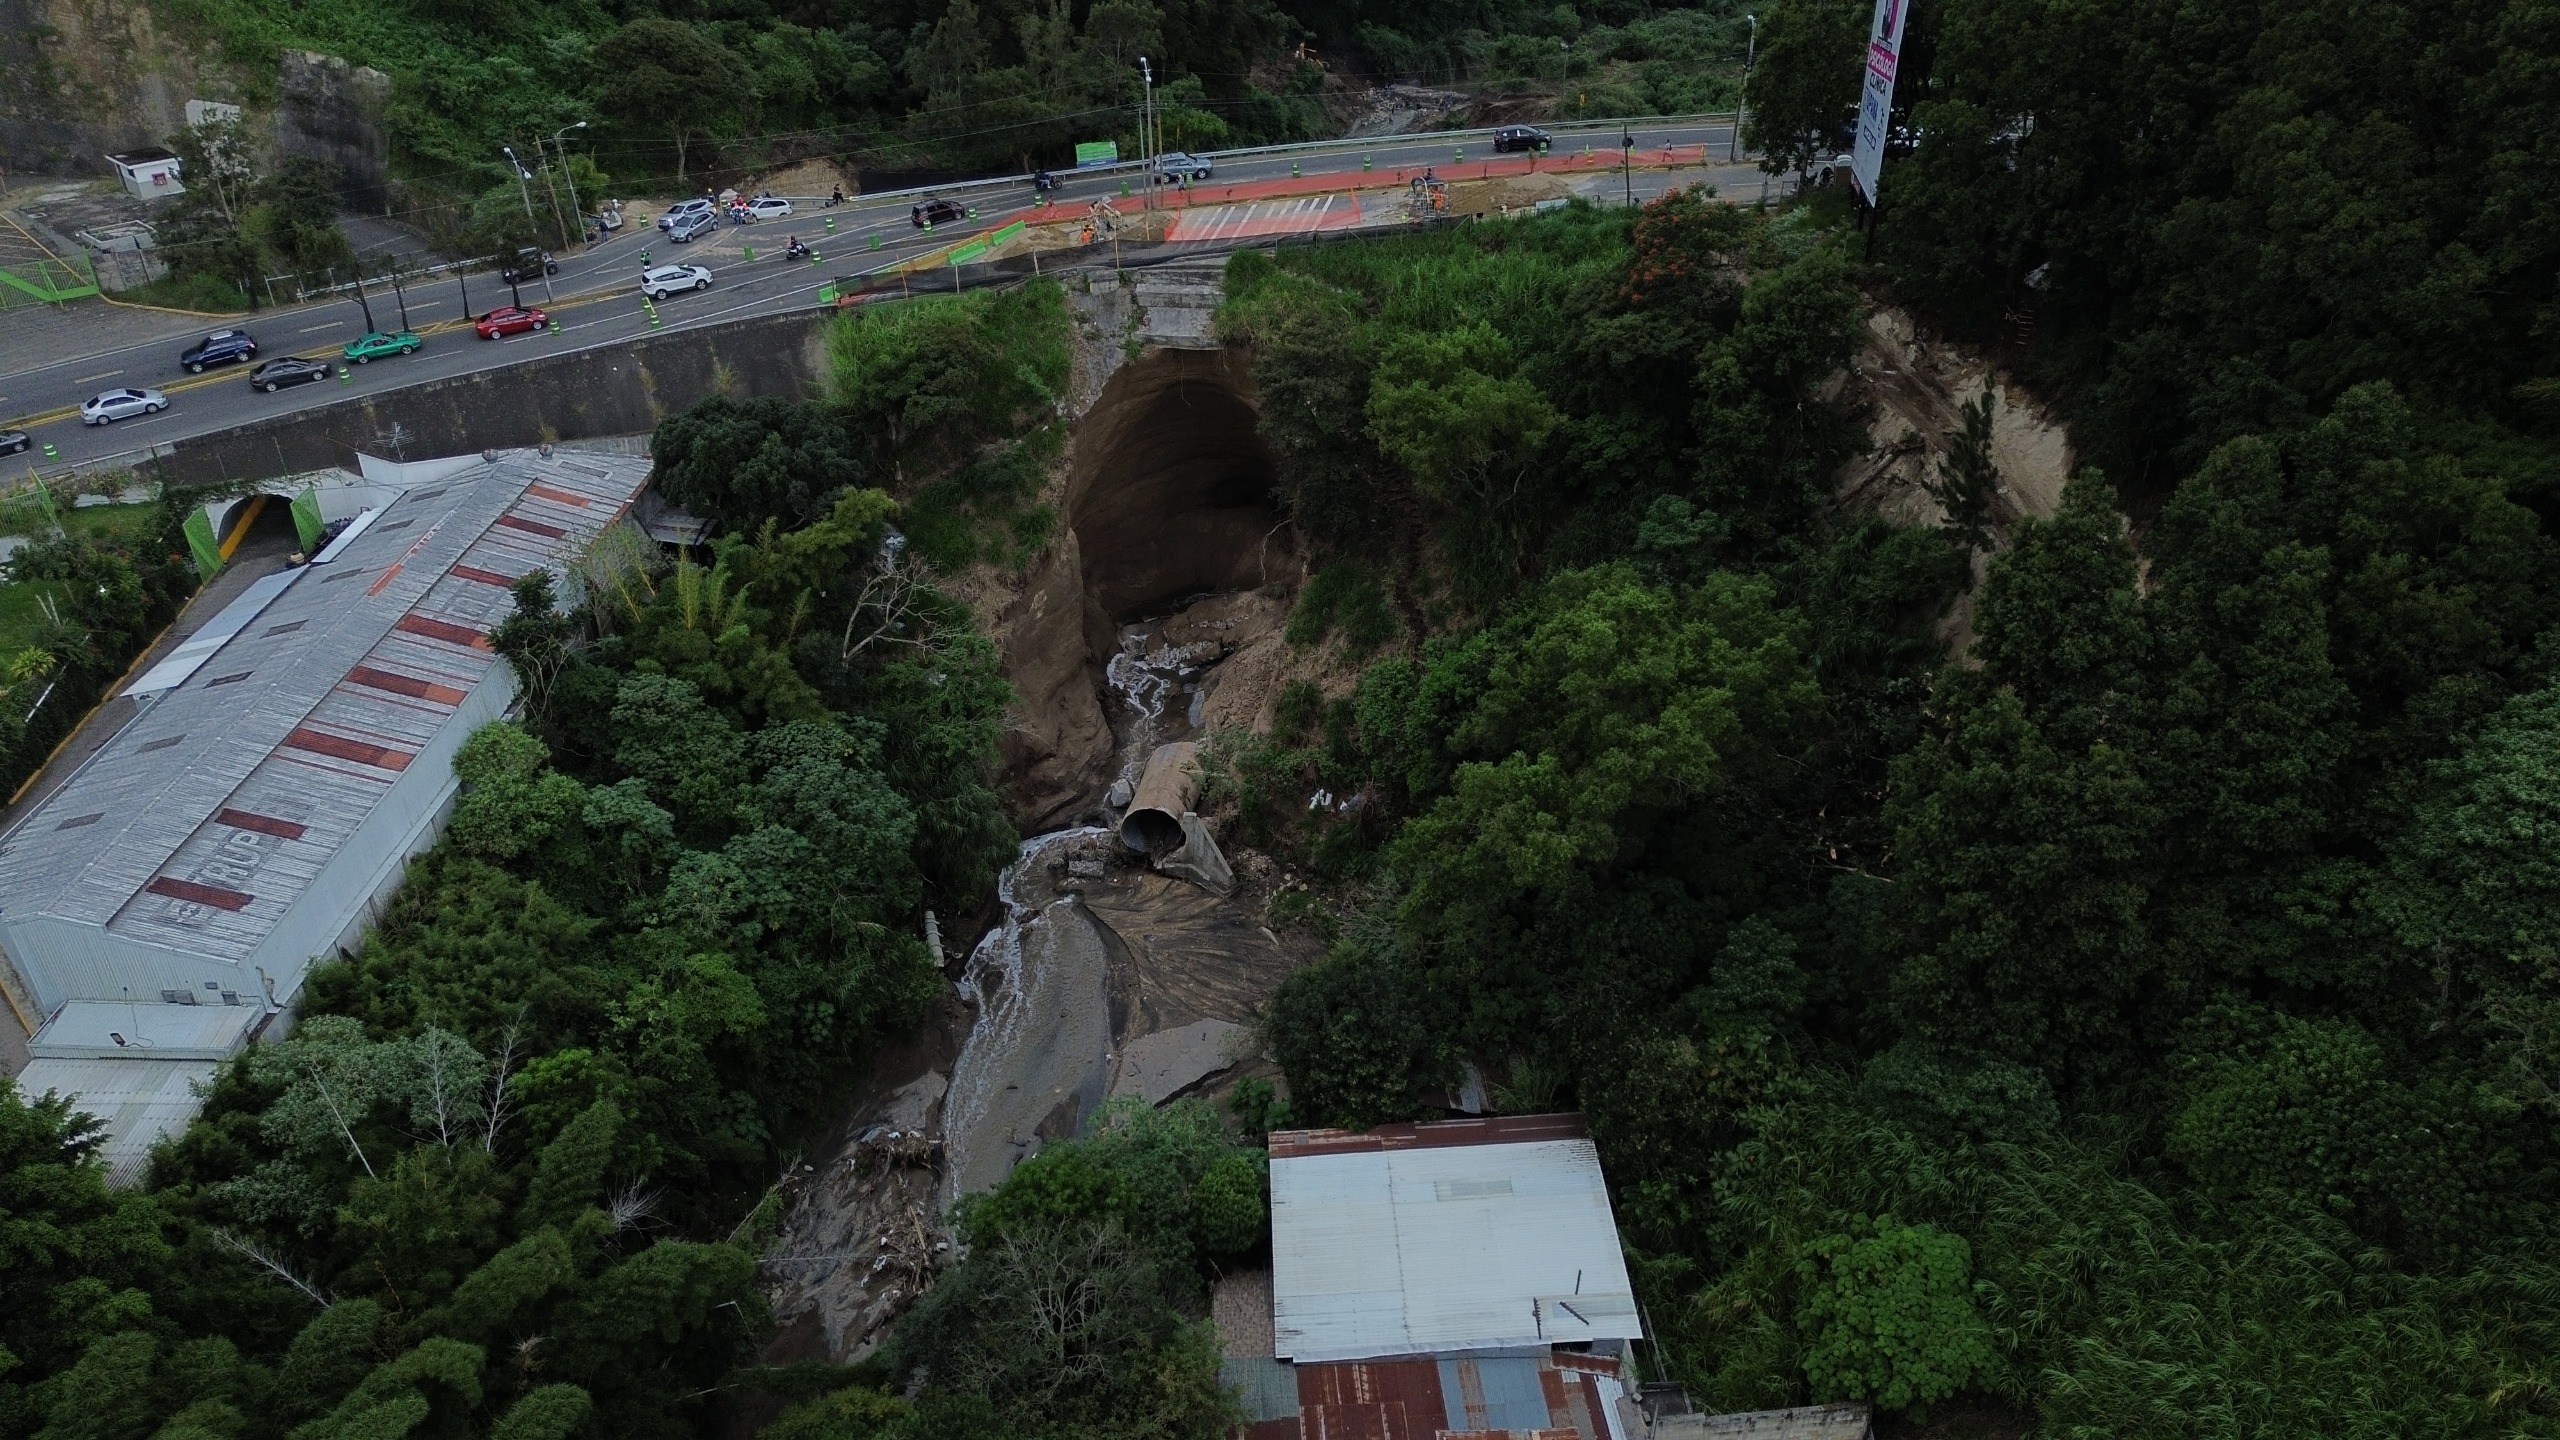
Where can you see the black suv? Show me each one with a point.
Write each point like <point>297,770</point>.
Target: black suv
<point>1520,137</point>
<point>218,348</point>
<point>937,212</point>
<point>13,441</point>
<point>291,370</point>
<point>529,264</point>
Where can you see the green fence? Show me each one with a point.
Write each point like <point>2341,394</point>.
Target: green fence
<point>48,281</point>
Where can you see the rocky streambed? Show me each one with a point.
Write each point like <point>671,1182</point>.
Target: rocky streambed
<point>1098,976</point>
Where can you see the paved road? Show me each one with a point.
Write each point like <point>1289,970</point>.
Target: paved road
<point>596,301</point>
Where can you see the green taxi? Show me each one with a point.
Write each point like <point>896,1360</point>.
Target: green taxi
<point>375,342</point>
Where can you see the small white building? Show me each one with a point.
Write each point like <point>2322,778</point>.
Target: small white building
<point>278,769</point>
<point>1457,1277</point>
<point>148,174</point>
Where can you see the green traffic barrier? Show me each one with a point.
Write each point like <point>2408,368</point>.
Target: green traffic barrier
<point>1293,169</point>
<point>1368,163</point>
<point>751,254</point>
<point>875,240</point>
<point>1462,152</point>
<point>50,453</point>
<point>831,224</point>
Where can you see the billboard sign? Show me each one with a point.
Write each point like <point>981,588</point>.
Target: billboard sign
<point>1875,107</point>
<point>1097,152</point>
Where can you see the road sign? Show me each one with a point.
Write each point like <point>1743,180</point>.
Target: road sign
<point>1875,107</point>
<point>1097,152</point>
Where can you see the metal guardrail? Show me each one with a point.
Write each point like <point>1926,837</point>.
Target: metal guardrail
<point>1294,147</point>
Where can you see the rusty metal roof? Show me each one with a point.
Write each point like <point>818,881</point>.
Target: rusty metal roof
<point>1430,1134</point>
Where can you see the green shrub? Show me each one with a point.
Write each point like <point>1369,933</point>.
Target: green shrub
<point>1230,1211</point>
<point>1347,594</point>
<point>1889,1316</point>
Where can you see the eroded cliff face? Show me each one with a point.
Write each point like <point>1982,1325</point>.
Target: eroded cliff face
<point>1166,497</point>
<point>82,78</point>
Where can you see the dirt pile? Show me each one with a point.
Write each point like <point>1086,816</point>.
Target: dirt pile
<point>1912,389</point>
<point>1504,196</point>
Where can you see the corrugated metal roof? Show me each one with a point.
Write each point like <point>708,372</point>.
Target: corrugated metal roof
<point>201,823</point>
<point>1549,1397</point>
<point>1430,1134</point>
<point>1431,1249</point>
<point>140,1101</point>
<point>118,1030</point>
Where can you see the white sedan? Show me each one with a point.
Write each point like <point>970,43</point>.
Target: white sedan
<point>768,207</point>
<point>116,405</point>
<point>667,280</point>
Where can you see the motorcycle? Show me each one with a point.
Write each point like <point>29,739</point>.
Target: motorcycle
<point>795,251</point>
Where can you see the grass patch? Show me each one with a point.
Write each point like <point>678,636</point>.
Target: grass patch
<point>195,292</point>
<point>1348,595</point>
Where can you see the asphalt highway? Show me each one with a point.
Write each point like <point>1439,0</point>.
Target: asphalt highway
<point>595,299</point>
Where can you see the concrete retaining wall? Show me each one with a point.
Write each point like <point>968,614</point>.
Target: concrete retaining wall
<point>615,390</point>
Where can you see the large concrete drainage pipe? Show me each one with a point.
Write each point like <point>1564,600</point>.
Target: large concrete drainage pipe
<point>1166,792</point>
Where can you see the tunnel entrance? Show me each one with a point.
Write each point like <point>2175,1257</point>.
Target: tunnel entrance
<point>1170,491</point>
<point>270,529</point>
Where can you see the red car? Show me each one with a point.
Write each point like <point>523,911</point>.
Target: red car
<point>508,320</point>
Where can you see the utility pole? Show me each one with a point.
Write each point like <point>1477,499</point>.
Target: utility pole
<point>1750,53</point>
<point>573,180</point>
<point>1627,164</point>
<point>1147,128</point>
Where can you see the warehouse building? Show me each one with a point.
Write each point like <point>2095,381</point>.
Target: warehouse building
<point>281,766</point>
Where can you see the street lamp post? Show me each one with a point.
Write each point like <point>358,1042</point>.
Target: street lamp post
<point>1750,52</point>
<point>524,178</point>
<point>573,180</point>
<point>1147,129</point>
<point>541,265</point>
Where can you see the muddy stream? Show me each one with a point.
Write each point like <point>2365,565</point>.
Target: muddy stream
<point>1098,977</point>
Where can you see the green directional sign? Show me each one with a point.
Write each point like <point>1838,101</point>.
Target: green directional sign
<point>1097,152</point>
<point>306,520</point>
<point>201,544</point>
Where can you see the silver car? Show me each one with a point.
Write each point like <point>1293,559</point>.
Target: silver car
<point>1174,165</point>
<point>685,209</point>
<point>116,405</point>
<point>666,280</point>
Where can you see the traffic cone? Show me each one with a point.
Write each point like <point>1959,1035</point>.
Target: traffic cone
<point>751,254</point>
<point>814,258</point>
<point>50,453</point>
<point>973,212</point>
<point>346,374</point>
<point>875,239</point>
<point>831,224</point>
<point>1462,153</point>
<point>1293,169</point>
<point>1368,163</point>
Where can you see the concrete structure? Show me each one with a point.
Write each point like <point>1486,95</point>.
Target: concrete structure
<point>1460,1276</point>
<point>284,764</point>
<point>148,174</point>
